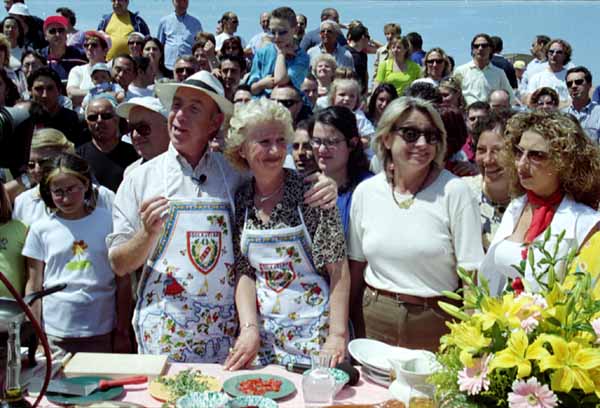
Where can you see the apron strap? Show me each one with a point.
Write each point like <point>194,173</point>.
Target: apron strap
<point>306,234</point>
<point>231,202</point>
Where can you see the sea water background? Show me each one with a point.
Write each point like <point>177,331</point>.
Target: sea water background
<point>450,24</point>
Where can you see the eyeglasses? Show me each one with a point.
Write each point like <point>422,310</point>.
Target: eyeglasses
<point>288,103</point>
<point>135,43</point>
<point>534,156</point>
<point>432,61</point>
<point>183,70</point>
<point>53,31</point>
<point>412,135</point>
<point>328,143</point>
<point>278,33</point>
<point>481,45</point>
<point>304,146</point>
<point>557,52</point>
<point>141,128</point>
<point>90,44</point>
<point>69,191</point>
<point>104,116</point>
<point>577,82</point>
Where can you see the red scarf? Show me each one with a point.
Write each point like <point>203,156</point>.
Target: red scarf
<point>542,215</point>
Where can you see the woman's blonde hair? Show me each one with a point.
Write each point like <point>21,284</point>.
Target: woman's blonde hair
<point>573,155</point>
<point>5,43</point>
<point>50,137</point>
<point>323,58</point>
<point>246,117</point>
<point>398,110</point>
<point>403,41</point>
<point>343,83</point>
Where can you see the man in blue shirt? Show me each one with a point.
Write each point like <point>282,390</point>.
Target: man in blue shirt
<point>176,32</point>
<point>282,61</point>
<point>587,112</point>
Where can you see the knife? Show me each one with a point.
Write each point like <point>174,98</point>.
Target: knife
<point>69,388</point>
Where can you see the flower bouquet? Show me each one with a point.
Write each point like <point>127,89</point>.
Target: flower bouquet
<point>524,349</point>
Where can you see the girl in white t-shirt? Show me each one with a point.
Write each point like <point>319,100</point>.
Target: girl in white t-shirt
<point>69,247</point>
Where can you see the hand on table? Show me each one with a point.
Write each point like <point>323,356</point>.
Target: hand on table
<point>335,346</point>
<point>245,349</point>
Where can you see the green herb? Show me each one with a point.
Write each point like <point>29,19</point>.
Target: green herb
<point>183,383</point>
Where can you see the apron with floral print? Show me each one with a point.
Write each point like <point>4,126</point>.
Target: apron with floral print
<point>185,306</point>
<point>292,296</point>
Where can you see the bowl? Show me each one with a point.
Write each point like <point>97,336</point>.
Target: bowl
<point>341,378</point>
<point>208,399</point>
<point>251,401</point>
<point>415,371</point>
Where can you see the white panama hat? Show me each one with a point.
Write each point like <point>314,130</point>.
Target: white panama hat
<point>148,102</point>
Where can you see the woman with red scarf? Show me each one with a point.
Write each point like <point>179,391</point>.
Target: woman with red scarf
<point>554,171</point>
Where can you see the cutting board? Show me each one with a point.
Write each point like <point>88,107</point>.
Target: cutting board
<point>115,365</point>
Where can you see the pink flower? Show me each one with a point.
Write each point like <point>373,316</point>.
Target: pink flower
<point>596,326</point>
<point>531,312</point>
<point>531,394</point>
<point>474,379</point>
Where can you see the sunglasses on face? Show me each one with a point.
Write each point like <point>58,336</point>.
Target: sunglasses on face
<point>278,33</point>
<point>557,52</point>
<point>481,45</point>
<point>412,135</point>
<point>53,31</point>
<point>90,45</point>
<point>304,146</point>
<point>535,156</point>
<point>577,82</point>
<point>288,103</point>
<point>135,43</point>
<point>184,70</point>
<point>326,31</point>
<point>39,162</point>
<point>104,116</point>
<point>142,128</point>
<point>432,61</point>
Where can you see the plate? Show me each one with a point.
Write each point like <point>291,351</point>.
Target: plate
<point>231,386</point>
<point>160,391</point>
<point>96,396</point>
<point>376,378</point>
<point>251,401</point>
<point>376,354</point>
<point>400,391</point>
<point>209,399</point>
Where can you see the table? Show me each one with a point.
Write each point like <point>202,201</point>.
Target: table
<point>365,392</point>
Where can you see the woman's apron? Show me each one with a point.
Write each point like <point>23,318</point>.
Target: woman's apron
<point>185,305</point>
<point>292,296</point>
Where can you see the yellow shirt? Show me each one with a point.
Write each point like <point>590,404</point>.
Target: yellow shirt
<point>12,263</point>
<point>118,28</point>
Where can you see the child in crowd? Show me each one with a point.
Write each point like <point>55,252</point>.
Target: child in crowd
<point>12,238</point>
<point>102,84</point>
<point>69,247</point>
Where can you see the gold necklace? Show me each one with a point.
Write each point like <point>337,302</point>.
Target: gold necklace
<point>406,204</point>
<point>263,198</point>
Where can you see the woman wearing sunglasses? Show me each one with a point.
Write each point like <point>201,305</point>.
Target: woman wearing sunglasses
<point>411,226</point>
<point>436,67</point>
<point>552,168</point>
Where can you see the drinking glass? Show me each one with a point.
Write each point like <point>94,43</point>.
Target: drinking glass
<point>422,396</point>
<point>318,384</point>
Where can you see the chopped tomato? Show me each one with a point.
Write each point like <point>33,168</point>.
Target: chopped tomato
<point>258,386</point>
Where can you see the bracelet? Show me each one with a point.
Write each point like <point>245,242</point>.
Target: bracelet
<point>248,325</point>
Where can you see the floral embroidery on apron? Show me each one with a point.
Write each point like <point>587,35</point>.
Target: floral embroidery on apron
<point>292,296</point>
<point>185,302</point>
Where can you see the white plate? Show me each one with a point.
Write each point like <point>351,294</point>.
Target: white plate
<point>400,391</point>
<point>375,378</point>
<point>376,354</point>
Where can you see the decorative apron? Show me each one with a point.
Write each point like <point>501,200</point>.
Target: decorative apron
<point>185,305</point>
<point>292,296</point>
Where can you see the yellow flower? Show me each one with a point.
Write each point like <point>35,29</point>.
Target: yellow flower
<point>468,338</point>
<point>514,355</point>
<point>503,311</point>
<point>572,363</point>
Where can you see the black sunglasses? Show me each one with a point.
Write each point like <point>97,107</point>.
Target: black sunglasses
<point>412,135</point>
<point>483,45</point>
<point>288,103</point>
<point>53,31</point>
<point>142,128</point>
<point>104,116</point>
<point>182,70</point>
<point>135,43</point>
<point>434,61</point>
<point>577,82</point>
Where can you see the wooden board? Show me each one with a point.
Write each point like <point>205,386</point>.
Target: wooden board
<point>115,365</point>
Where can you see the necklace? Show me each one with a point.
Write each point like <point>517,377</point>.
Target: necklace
<point>407,203</point>
<point>263,198</point>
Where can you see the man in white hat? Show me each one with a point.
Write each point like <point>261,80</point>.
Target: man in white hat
<point>147,119</point>
<point>173,216</point>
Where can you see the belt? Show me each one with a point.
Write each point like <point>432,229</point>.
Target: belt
<point>431,302</point>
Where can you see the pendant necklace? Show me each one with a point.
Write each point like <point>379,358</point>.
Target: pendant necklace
<point>263,198</point>
<point>407,203</point>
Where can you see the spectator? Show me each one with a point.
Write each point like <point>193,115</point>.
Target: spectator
<point>257,41</point>
<point>390,30</point>
<point>545,99</point>
<point>204,52</point>
<point>398,70</point>
<point>436,67</point>
<point>587,112</point>
<point>231,71</point>
<point>232,46</point>
<point>124,70</point>
<point>107,155</point>
<point>539,61</point>
<point>32,26</point>
<point>302,150</point>
<point>9,94</point>
<point>13,30</point>
<point>329,45</point>
<point>101,77</point>
<point>558,52</point>
<point>289,97</point>
<point>499,99</point>
<point>75,38</point>
<point>310,89</point>
<point>380,98</point>
<point>451,92</point>
<point>176,32</point>
<point>60,56</point>
<point>358,42</point>
<point>153,49</point>
<point>230,23</point>
<point>475,112</point>
<point>301,22</point>
<point>502,63</point>
<point>324,68</point>
<point>119,24</point>
<point>185,66</point>
<point>242,95</point>
<point>143,82</point>
<point>416,47</point>
<point>135,44</point>
<point>313,37</point>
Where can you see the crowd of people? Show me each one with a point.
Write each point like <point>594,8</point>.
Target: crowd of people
<point>254,202</point>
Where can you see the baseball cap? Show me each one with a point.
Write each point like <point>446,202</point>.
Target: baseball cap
<point>55,20</point>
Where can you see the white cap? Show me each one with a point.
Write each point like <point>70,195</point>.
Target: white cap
<point>148,102</point>
<point>19,9</point>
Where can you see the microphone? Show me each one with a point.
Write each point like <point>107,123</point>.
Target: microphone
<point>200,180</point>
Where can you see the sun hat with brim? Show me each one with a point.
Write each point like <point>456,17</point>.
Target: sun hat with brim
<point>19,9</point>
<point>60,20</point>
<point>136,34</point>
<point>102,36</point>
<point>202,81</point>
<point>148,102</point>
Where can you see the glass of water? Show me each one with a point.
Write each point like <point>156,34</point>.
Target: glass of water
<point>318,384</point>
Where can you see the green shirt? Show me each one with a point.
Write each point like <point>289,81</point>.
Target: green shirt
<point>398,79</point>
<point>12,263</point>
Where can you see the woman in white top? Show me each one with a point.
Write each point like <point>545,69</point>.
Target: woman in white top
<point>436,67</point>
<point>80,81</point>
<point>69,247</point>
<point>411,226</point>
<point>12,29</point>
<point>553,169</point>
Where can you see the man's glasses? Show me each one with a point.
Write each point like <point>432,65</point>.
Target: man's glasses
<point>432,61</point>
<point>53,31</point>
<point>534,156</point>
<point>577,82</point>
<point>141,128</point>
<point>481,45</point>
<point>328,143</point>
<point>288,103</point>
<point>412,135</point>
<point>326,31</point>
<point>135,43</point>
<point>185,70</point>
<point>39,162</point>
<point>104,116</point>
